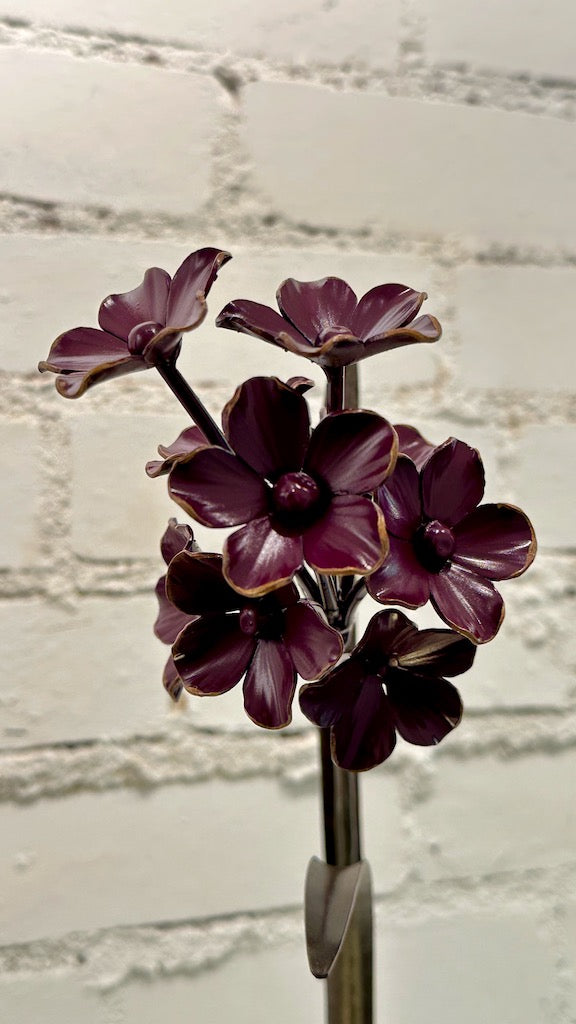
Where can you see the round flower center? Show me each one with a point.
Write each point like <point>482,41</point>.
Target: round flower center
<point>434,545</point>
<point>140,335</point>
<point>296,498</point>
<point>264,619</point>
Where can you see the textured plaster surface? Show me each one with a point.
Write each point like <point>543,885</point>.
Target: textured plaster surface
<point>154,856</point>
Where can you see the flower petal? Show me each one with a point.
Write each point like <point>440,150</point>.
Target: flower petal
<point>413,444</point>
<point>333,697</point>
<point>267,424</point>
<point>120,313</point>
<point>269,686</point>
<point>313,306</point>
<point>83,349</point>
<point>399,499</point>
<point>452,482</point>
<point>170,620</point>
<point>436,652</point>
<point>188,441</point>
<point>195,584</point>
<point>367,737</point>
<point>467,602</point>
<point>425,710</point>
<point>217,488</point>
<point>350,538</point>
<point>382,638</point>
<point>258,559</point>
<point>171,680</point>
<point>212,654</point>
<point>495,541</point>
<point>191,283</point>
<point>385,307</point>
<point>262,322</point>
<point>73,385</point>
<point>176,537</point>
<point>352,451</point>
<point>312,644</point>
<point>401,579</point>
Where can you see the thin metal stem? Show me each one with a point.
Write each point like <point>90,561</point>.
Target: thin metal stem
<point>192,404</point>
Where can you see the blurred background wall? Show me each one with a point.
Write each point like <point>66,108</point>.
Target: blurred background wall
<point>152,857</point>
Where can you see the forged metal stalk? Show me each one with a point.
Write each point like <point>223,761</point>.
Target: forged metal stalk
<point>349,982</point>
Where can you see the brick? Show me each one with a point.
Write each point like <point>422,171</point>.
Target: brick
<point>486,816</point>
<point>526,39</point>
<point>20,473</point>
<point>53,997</point>
<point>515,326</point>
<point>465,967</point>
<point>94,132</point>
<point>402,179</point>
<point>99,860</point>
<point>72,676</point>
<point>570,952</point>
<point>543,484</point>
<point>307,29</point>
<point>508,673</point>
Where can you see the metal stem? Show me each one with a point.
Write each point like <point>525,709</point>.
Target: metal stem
<point>192,404</point>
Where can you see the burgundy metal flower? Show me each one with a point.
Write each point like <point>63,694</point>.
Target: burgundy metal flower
<point>443,547</point>
<point>302,497</point>
<point>324,321</point>
<point>268,640</point>
<point>391,683</point>
<point>170,621</point>
<point>137,328</point>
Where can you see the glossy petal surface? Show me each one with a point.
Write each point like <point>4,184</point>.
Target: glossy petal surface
<point>118,314</point>
<point>333,698</point>
<point>367,737</point>
<point>83,349</point>
<point>170,620</point>
<point>258,559</point>
<point>171,680</point>
<point>176,538</point>
<point>399,499</point>
<point>262,322</point>
<point>191,283</point>
<point>495,541</point>
<point>435,652</point>
<point>313,645</point>
<point>217,488</point>
<point>425,710</point>
<point>349,538</point>
<point>413,444</point>
<point>452,482</point>
<point>195,584</point>
<point>188,441</point>
<point>212,654</point>
<point>269,686</point>
<point>352,451</point>
<point>385,307</point>
<point>467,602</point>
<point>268,426</point>
<point>401,579</point>
<point>315,306</point>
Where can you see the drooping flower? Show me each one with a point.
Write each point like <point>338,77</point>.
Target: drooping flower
<point>301,497</point>
<point>170,620</point>
<point>444,546</point>
<point>324,321</point>
<point>392,683</point>
<point>268,640</point>
<point>137,328</point>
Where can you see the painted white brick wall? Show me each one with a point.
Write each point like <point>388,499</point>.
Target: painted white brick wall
<point>151,857</point>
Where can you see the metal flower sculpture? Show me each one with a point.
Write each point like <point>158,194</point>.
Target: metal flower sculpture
<point>324,321</point>
<point>444,546</point>
<point>137,328</point>
<point>325,515</point>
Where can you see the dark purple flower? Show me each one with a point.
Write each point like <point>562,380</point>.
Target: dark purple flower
<point>324,321</point>
<point>269,640</point>
<point>302,497</point>
<point>170,621</point>
<point>137,328</point>
<point>391,683</point>
<point>443,547</point>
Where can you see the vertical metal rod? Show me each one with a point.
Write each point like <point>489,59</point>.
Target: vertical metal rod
<point>349,984</point>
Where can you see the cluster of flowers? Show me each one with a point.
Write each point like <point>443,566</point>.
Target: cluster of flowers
<point>366,506</point>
